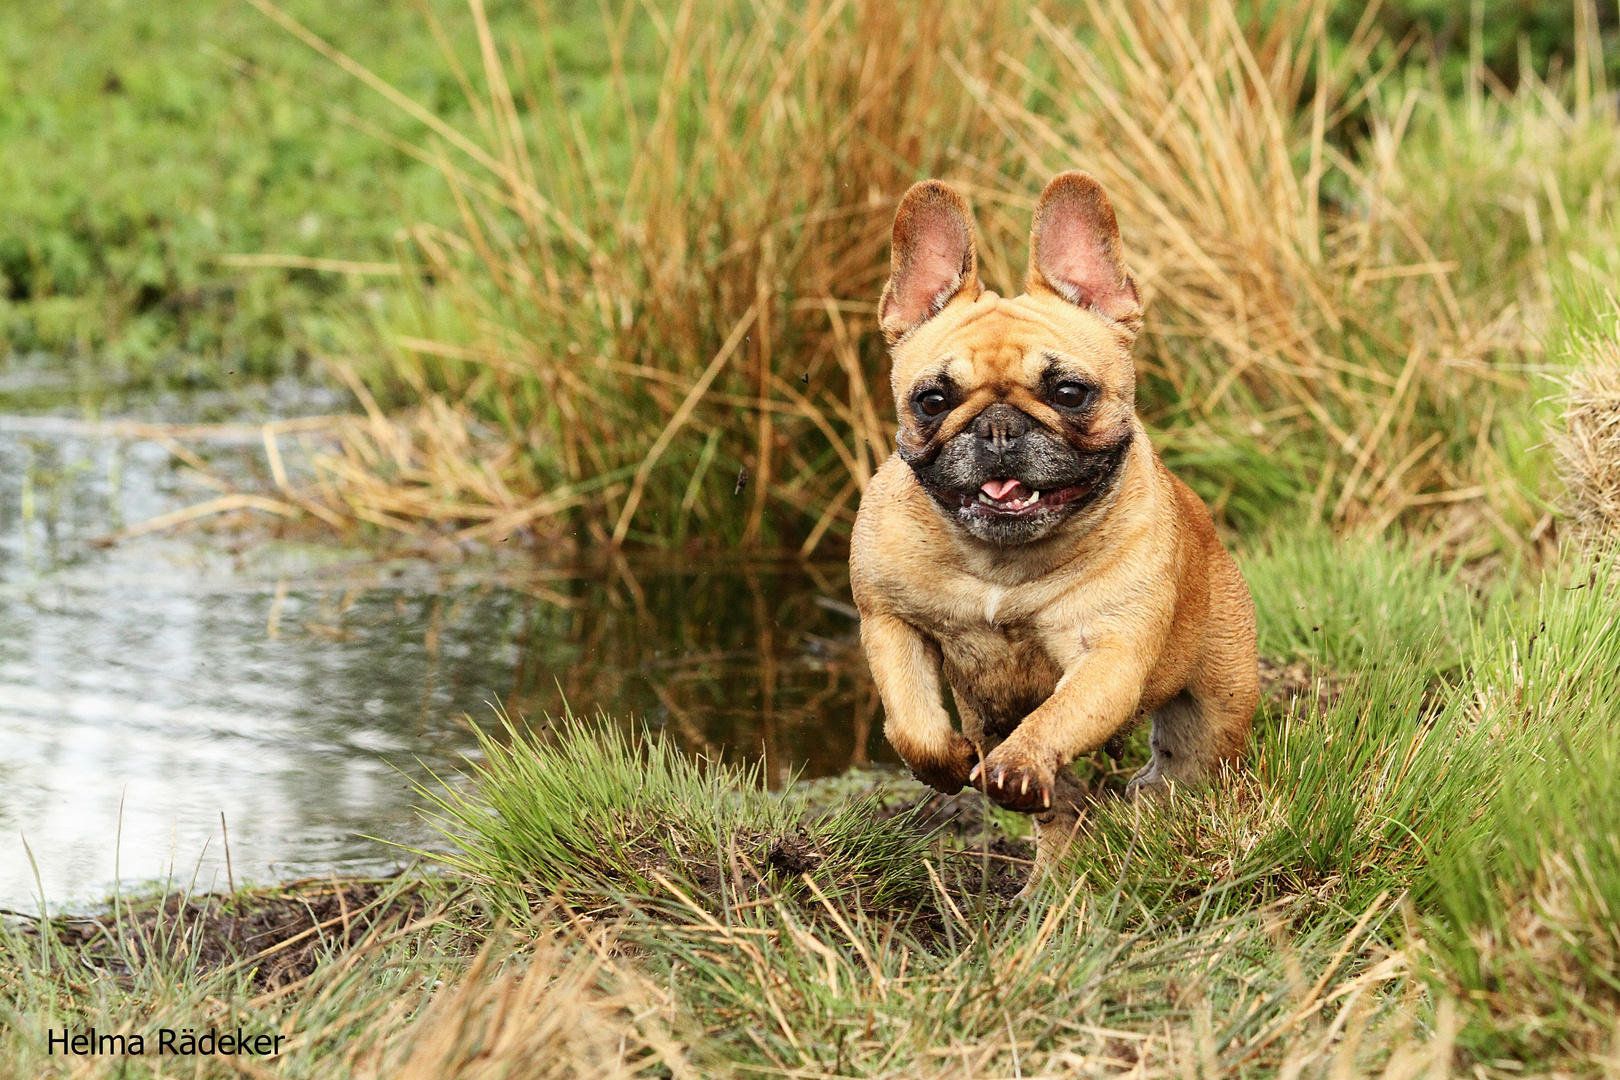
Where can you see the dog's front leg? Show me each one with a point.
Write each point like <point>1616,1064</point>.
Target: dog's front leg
<point>1093,700</point>
<point>1029,773</point>
<point>905,666</point>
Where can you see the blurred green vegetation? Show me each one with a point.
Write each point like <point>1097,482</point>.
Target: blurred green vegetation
<point>141,142</point>
<point>1510,31</point>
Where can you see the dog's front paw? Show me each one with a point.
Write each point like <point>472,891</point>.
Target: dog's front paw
<point>1016,781</point>
<point>945,772</point>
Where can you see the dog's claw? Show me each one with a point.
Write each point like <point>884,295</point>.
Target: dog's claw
<point>1017,786</point>
<point>974,775</point>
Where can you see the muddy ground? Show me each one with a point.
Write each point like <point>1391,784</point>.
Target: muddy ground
<point>275,935</point>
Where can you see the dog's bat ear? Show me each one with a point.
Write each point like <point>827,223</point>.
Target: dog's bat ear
<point>1074,250</point>
<point>932,259</point>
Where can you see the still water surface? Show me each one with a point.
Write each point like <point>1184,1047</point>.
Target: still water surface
<point>150,687</point>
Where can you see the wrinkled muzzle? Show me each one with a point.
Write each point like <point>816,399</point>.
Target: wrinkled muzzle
<point>1007,479</point>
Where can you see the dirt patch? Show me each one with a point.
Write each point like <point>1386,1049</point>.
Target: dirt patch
<point>793,854</point>
<point>997,868</point>
<point>1284,685</point>
<point>962,814</point>
<point>278,933</point>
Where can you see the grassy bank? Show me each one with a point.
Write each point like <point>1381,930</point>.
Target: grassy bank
<point>141,145</point>
<point>1413,875</point>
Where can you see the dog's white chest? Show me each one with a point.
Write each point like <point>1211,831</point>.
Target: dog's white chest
<point>992,603</point>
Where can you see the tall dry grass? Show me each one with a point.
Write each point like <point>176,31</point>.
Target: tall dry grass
<point>1347,274</point>
<point>1341,267</point>
<point>618,345</point>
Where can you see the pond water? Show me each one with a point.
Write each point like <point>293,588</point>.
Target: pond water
<point>154,688</point>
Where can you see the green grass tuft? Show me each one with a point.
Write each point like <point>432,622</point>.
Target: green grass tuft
<point>585,813</point>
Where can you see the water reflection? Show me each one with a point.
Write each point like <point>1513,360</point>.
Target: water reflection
<point>154,686</point>
<point>752,662</point>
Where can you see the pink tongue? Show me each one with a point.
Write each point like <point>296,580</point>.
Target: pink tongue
<point>999,489</point>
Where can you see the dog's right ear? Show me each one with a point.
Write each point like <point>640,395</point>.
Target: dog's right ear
<point>931,261</point>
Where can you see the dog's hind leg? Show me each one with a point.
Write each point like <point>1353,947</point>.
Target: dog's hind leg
<point>1194,732</point>
<point>1207,723</point>
<point>1180,753</point>
<point>1056,827</point>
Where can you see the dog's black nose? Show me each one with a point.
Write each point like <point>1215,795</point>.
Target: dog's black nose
<point>1000,427</point>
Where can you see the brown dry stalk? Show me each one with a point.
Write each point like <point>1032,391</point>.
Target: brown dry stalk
<point>1589,446</point>
<point>549,1015</point>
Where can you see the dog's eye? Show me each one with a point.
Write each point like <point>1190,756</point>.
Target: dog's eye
<point>931,403</point>
<point>1072,395</point>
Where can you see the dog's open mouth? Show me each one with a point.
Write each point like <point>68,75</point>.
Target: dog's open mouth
<point>1010,498</point>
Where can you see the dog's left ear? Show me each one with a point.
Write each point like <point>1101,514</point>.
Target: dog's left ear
<point>1074,250</point>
